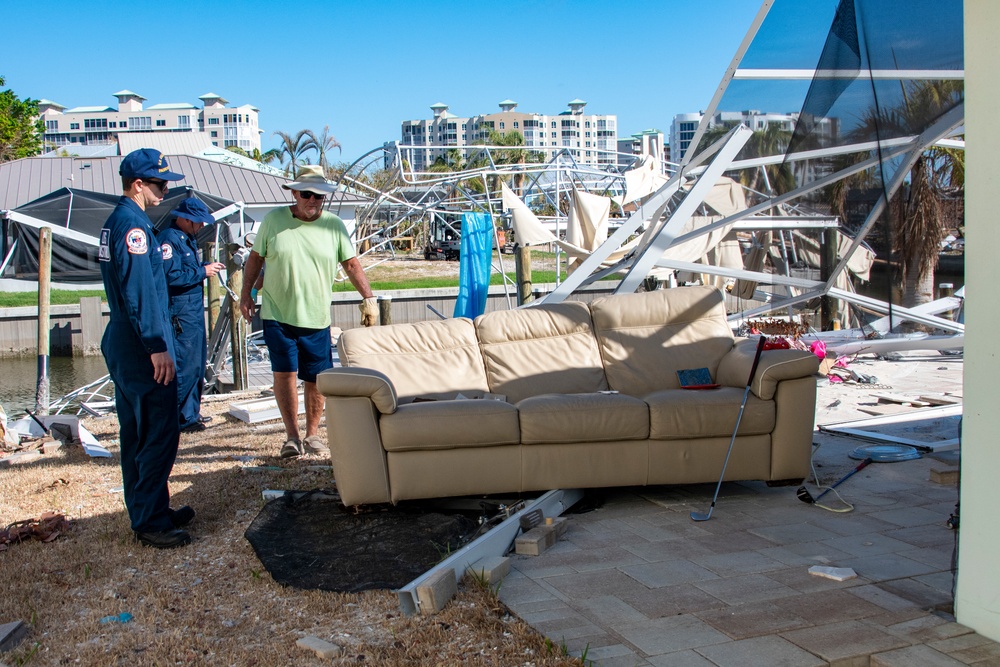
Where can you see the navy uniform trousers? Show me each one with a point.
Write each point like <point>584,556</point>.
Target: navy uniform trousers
<point>185,279</point>
<point>132,269</point>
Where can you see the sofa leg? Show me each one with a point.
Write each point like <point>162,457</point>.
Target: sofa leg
<point>785,482</point>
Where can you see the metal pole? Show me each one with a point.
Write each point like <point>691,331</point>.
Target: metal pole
<point>44,287</point>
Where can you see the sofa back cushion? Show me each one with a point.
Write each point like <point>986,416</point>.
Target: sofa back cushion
<point>541,350</point>
<point>434,359</point>
<point>646,338</point>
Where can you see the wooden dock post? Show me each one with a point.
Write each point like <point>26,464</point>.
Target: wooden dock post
<point>44,301</point>
<point>384,310</point>
<point>522,274</point>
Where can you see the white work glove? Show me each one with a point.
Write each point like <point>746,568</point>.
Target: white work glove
<point>369,311</point>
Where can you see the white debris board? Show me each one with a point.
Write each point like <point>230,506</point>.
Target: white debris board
<point>261,409</point>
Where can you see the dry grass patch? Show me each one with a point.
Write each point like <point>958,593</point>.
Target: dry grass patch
<point>212,602</point>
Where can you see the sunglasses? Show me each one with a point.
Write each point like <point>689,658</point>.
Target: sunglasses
<point>306,194</point>
<point>161,185</point>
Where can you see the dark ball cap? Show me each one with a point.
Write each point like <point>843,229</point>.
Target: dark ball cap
<point>194,210</point>
<point>147,163</point>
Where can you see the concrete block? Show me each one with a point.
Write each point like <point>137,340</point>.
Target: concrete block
<point>12,634</point>
<point>21,457</point>
<point>51,446</point>
<point>535,541</point>
<point>435,592</point>
<point>947,475</point>
<point>557,524</point>
<point>491,569</point>
<point>321,648</point>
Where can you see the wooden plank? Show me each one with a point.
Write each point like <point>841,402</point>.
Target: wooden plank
<point>261,409</point>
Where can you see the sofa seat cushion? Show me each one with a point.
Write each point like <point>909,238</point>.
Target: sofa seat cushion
<point>449,424</point>
<point>546,349</point>
<point>593,417</point>
<point>683,414</point>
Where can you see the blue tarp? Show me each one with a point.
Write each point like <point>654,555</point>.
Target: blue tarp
<point>475,261</point>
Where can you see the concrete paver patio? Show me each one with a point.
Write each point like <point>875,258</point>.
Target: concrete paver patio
<point>635,581</point>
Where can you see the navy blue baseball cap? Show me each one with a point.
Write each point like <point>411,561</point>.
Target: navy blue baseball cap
<point>147,163</point>
<point>194,210</point>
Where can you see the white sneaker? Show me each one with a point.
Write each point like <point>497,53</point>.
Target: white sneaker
<point>316,445</point>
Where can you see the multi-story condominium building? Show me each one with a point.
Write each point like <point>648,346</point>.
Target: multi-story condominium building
<point>648,142</point>
<point>591,138</point>
<point>684,126</point>
<point>224,126</point>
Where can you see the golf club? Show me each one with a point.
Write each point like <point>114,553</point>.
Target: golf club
<point>698,516</point>
<point>804,495</point>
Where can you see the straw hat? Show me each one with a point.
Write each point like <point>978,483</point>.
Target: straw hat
<point>310,178</point>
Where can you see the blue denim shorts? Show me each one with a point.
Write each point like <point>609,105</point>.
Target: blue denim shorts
<point>291,348</point>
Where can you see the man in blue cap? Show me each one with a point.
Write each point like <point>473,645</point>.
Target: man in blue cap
<point>186,274</point>
<point>138,348</point>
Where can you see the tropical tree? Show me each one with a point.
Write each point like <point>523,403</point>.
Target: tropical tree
<point>772,140</point>
<point>267,157</point>
<point>914,212</point>
<point>322,143</point>
<point>292,148</point>
<point>237,150</point>
<point>20,128</point>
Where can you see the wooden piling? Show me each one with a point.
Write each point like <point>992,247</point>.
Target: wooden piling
<point>522,274</point>
<point>91,327</point>
<point>44,302</point>
<point>385,310</point>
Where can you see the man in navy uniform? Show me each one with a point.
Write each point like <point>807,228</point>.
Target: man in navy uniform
<point>138,349</point>
<point>186,274</point>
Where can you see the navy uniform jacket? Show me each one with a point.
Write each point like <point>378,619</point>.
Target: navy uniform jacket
<point>132,270</point>
<point>185,273</point>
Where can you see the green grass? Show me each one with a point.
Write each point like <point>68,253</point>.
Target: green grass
<point>435,282</point>
<point>57,297</point>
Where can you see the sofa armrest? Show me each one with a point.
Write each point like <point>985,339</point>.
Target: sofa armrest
<point>775,366</point>
<point>359,382</point>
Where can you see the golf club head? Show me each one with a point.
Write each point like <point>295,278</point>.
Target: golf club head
<point>804,495</point>
<point>698,516</point>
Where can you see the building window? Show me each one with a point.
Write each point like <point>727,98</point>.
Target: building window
<point>112,124</point>
<point>51,126</point>
<point>515,124</point>
<point>215,133</point>
<point>140,123</point>
<point>122,124</point>
<point>553,125</point>
<point>184,121</point>
<point>501,125</point>
<point>161,123</point>
<point>213,121</point>
<point>95,123</point>
<point>74,126</point>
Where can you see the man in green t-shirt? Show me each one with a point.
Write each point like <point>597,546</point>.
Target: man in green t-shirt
<point>303,246</point>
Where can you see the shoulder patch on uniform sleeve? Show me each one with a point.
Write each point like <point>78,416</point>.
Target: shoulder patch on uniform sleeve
<point>167,250</point>
<point>135,239</point>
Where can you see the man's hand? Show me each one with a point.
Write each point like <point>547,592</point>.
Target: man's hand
<point>163,367</point>
<point>248,305</point>
<point>369,311</point>
<point>213,268</point>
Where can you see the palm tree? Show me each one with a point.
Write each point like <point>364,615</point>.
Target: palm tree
<point>292,148</point>
<point>322,143</point>
<point>267,157</point>
<point>772,140</point>
<point>914,211</point>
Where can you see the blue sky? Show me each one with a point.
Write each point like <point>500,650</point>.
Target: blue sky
<point>362,67</point>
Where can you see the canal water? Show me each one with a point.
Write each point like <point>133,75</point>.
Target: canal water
<point>19,379</point>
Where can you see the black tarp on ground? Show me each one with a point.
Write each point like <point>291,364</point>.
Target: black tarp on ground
<point>312,541</point>
<point>74,260</point>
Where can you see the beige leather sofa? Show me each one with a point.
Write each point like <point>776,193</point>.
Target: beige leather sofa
<point>591,399</point>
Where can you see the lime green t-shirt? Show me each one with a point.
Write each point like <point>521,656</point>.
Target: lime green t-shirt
<point>302,260</point>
